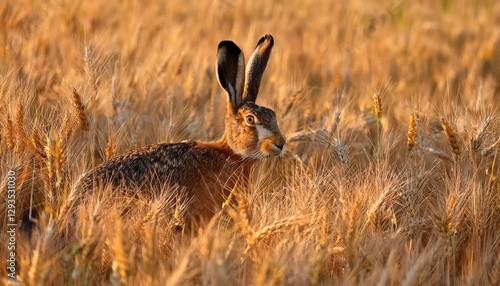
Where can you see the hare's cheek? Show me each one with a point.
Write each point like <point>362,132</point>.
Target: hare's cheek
<point>265,147</point>
<point>262,132</point>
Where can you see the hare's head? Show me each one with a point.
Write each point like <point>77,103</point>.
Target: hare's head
<point>251,130</point>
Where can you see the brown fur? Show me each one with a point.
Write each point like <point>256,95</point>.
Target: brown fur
<point>206,170</point>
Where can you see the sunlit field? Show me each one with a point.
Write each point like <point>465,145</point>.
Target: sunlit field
<point>391,110</point>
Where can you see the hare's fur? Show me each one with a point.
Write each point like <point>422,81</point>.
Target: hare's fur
<point>207,171</point>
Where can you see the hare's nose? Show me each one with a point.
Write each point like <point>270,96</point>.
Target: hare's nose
<point>280,141</point>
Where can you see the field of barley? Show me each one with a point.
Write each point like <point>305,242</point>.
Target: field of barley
<point>391,110</point>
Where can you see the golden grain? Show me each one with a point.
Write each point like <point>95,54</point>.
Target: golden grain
<point>67,126</point>
<point>149,252</point>
<point>105,258</point>
<point>79,111</point>
<point>279,225</point>
<point>49,154</point>
<point>34,270</point>
<point>111,148</point>
<point>22,138</point>
<point>60,161</point>
<point>412,131</point>
<point>377,106</point>
<point>9,134</point>
<point>120,261</point>
<point>37,142</point>
<point>450,133</point>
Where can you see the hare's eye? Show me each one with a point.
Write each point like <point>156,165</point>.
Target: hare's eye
<point>250,120</point>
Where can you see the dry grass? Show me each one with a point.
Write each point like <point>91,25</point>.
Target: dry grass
<point>391,110</point>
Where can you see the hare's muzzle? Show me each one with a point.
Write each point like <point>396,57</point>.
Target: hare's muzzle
<point>279,142</point>
<point>273,145</point>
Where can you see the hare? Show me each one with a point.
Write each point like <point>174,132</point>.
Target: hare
<point>207,171</point>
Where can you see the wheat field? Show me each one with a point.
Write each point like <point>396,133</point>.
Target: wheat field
<point>391,111</point>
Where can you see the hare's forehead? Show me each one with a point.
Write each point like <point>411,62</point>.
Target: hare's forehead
<point>262,112</point>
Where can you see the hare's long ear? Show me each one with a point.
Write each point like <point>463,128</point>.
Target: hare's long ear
<point>256,67</point>
<point>230,72</point>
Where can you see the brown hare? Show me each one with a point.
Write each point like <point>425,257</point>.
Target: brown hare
<point>207,171</point>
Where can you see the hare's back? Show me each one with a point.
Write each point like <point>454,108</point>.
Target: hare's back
<point>184,164</point>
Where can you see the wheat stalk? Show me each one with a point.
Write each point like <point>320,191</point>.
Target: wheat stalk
<point>179,223</point>
<point>91,73</point>
<point>341,150</point>
<point>78,111</point>
<point>49,151</point>
<point>377,106</point>
<point>377,109</point>
<point>37,143</point>
<point>412,275</point>
<point>104,266</point>
<point>68,204</point>
<point>9,134</point>
<point>23,140</point>
<point>412,131</point>
<point>350,217</point>
<point>19,125</point>
<point>301,136</point>
<point>335,123</point>
<point>120,262</point>
<point>451,135</point>
<point>243,209</point>
<point>478,138</point>
<point>149,251</point>
<point>110,148</point>
<point>21,179</point>
<point>245,227</point>
<point>67,126</point>
<point>226,203</point>
<point>60,161</point>
<point>116,92</point>
<point>490,151</point>
<point>440,154</point>
<point>34,270</point>
<point>279,225</point>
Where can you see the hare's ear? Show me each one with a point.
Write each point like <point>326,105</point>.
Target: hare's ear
<point>256,67</point>
<point>230,72</point>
